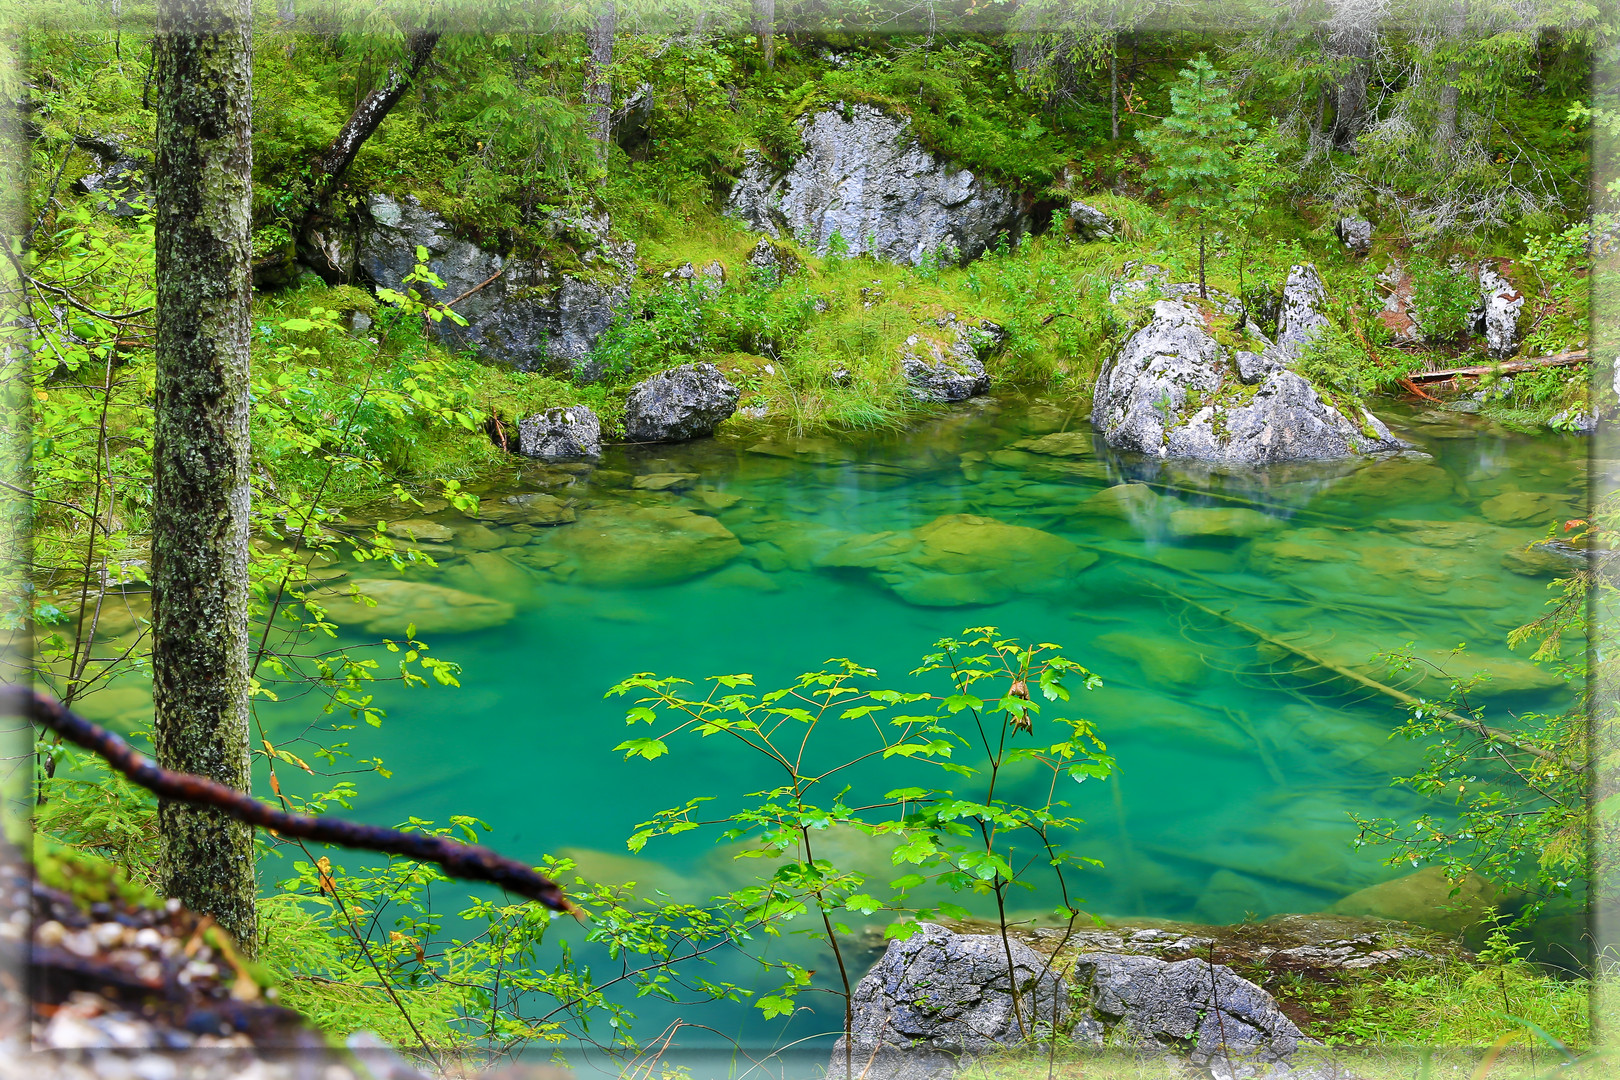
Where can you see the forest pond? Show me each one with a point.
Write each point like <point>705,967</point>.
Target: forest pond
<point>1237,769</point>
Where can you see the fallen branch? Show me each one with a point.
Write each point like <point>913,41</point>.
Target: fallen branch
<point>1468,723</point>
<point>1563,359</point>
<point>457,859</point>
<point>476,287</point>
<point>1408,385</point>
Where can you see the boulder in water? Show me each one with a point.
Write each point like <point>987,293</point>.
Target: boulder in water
<point>1171,392</point>
<point>682,403</point>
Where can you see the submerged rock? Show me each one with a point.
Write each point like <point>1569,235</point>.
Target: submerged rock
<point>864,178</point>
<point>399,604</point>
<point>682,403</point>
<point>1539,508</point>
<point>646,545</point>
<point>561,435</point>
<point>939,997</point>
<point>1425,899</point>
<point>963,559</point>
<point>526,313</point>
<point>1171,392</point>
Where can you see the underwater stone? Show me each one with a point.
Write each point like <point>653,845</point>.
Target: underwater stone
<point>420,529</point>
<point>432,609</point>
<point>1425,899</point>
<point>648,545</point>
<point>1526,508</point>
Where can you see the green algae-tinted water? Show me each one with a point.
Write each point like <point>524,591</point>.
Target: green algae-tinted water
<point>1237,771</point>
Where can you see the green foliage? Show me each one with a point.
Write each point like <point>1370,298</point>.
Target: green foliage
<point>1336,361</point>
<point>959,842</point>
<point>1442,298</point>
<point>1559,311</point>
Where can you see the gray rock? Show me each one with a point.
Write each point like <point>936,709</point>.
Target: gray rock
<point>1090,224</point>
<point>679,404</point>
<point>774,258</point>
<point>519,312</point>
<point>1356,234</point>
<point>952,371</point>
<point>1253,367</point>
<point>1300,318</point>
<point>864,177</point>
<point>122,179</point>
<point>938,997</point>
<point>1191,1008</point>
<point>1497,317</point>
<point>1574,421</point>
<point>561,435</point>
<point>1170,392</point>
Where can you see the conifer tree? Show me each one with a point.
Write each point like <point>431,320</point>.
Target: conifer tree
<point>1195,151</point>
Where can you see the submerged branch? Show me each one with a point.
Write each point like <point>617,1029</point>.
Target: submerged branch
<point>455,858</point>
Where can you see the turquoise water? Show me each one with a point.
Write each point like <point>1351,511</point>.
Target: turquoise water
<point>1237,769</point>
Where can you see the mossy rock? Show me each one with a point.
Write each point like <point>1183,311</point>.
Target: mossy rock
<point>1425,899</point>
<point>647,545</point>
<point>399,604</point>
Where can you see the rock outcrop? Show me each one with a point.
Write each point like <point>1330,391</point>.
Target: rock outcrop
<point>938,997</point>
<point>1203,1012</point>
<point>950,370</point>
<point>1300,318</point>
<point>526,313</point>
<point>863,177</point>
<point>561,435</point>
<point>936,1000</point>
<point>682,403</point>
<point>1355,233</point>
<point>1089,223</point>
<point>1172,392</point>
<point>1496,319</point>
<point>122,179</point>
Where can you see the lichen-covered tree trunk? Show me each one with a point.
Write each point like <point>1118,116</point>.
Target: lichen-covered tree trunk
<point>598,81</point>
<point>765,31</point>
<point>1445,122</point>
<point>203,178</point>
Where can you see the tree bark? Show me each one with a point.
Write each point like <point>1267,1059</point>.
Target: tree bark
<point>204,182</point>
<point>765,31</point>
<point>1113,87</point>
<point>1354,39</point>
<point>373,108</point>
<point>1445,121</point>
<point>598,80</point>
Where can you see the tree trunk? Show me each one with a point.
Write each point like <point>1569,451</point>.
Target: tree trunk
<point>204,182</point>
<point>373,108</point>
<point>1113,86</point>
<point>1354,39</point>
<point>1445,122</point>
<point>765,31</point>
<point>1203,293</point>
<point>598,79</point>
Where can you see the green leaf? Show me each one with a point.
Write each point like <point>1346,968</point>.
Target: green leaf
<point>646,748</point>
